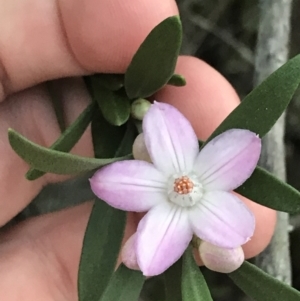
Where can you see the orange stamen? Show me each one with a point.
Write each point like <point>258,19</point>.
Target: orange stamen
<point>183,185</point>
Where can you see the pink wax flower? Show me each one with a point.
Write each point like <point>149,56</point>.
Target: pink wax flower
<point>183,191</point>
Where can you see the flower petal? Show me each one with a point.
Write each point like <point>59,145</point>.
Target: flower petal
<point>223,220</point>
<point>228,160</point>
<point>130,185</point>
<point>128,254</point>
<point>162,236</point>
<point>170,139</point>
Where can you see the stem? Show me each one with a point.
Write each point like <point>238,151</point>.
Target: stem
<point>271,53</point>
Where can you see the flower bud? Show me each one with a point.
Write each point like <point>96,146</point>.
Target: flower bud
<point>128,254</point>
<point>139,108</point>
<point>139,149</point>
<point>220,259</point>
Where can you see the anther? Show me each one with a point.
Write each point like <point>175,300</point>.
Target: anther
<point>183,185</point>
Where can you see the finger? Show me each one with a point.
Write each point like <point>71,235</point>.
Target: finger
<point>60,40</point>
<point>206,101</point>
<point>32,114</point>
<point>39,258</point>
<point>66,38</point>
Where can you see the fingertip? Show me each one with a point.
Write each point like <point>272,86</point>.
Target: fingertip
<point>207,98</point>
<point>69,38</point>
<point>265,225</point>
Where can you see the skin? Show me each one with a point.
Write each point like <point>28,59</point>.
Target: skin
<point>43,40</point>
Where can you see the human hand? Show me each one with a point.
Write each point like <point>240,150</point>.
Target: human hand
<point>41,41</point>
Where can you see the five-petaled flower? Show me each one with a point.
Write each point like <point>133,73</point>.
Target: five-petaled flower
<point>184,191</point>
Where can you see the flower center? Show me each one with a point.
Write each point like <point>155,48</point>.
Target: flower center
<point>183,185</point>
<point>184,190</point>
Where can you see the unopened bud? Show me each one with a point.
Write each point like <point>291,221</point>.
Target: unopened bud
<point>139,149</point>
<point>220,259</point>
<point>128,254</point>
<point>139,108</point>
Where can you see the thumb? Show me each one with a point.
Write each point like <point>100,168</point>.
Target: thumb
<point>43,40</point>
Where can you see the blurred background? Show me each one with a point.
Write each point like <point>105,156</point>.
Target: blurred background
<point>223,33</point>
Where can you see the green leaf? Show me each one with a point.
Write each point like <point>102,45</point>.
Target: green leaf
<point>177,80</point>
<point>260,286</point>
<point>56,99</point>
<point>111,82</point>
<point>68,139</point>
<point>194,287</point>
<point>265,189</point>
<point>154,63</point>
<point>106,137</point>
<point>259,111</point>
<point>53,161</point>
<point>114,105</point>
<point>125,146</point>
<point>101,246</point>
<point>102,130</point>
<point>154,289</point>
<point>112,141</point>
<point>172,277</point>
<point>125,285</point>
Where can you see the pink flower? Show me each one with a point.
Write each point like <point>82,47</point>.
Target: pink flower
<point>184,191</point>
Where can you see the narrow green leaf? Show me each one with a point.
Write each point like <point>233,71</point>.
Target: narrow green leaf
<point>101,246</point>
<point>106,137</point>
<point>125,146</point>
<point>68,138</point>
<point>260,286</point>
<point>265,189</point>
<point>154,63</point>
<point>53,161</point>
<point>115,106</point>
<point>112,141</point>
<point>125,285</point>
<point>177,80</point>
<point>56,99</point>
<point>194,287</point>
<point>172,277</point>
<point>111,81</point>
<point>260,109</point>
<point>154,289</point>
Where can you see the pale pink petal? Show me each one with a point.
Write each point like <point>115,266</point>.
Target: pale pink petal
<point>222,219</point>
<point>170,139</point>
<point>228,160</point>
<point>130,185</point>
<point>162,236</point>
<point>128,253</point>
<point>139,150</point>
